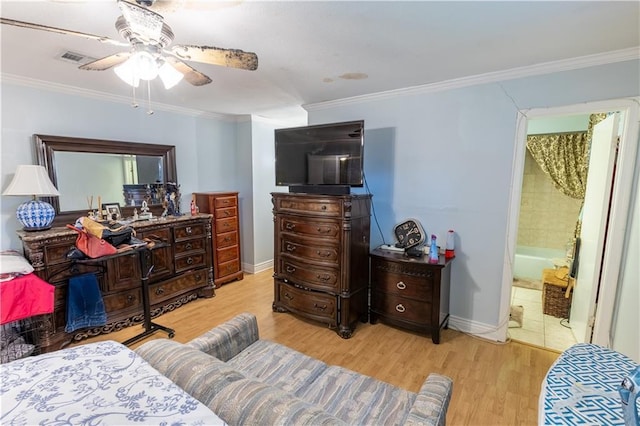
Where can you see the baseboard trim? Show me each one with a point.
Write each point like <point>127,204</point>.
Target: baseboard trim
<point>259,267</point>
<point>485,331</point>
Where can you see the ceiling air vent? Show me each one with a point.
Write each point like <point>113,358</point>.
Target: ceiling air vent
<point>75,57</point>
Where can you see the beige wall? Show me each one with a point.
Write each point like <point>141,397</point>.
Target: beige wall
<point>547,217</point>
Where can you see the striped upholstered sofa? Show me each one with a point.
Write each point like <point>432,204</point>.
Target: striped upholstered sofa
<point>249,381</point>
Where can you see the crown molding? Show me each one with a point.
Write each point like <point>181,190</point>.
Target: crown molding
<point>492,77</point>
<point>108,97</point>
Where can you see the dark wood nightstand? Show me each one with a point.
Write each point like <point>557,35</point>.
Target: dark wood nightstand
<point>410,292</point>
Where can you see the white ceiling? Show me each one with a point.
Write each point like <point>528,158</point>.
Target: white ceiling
<point>311,52</point>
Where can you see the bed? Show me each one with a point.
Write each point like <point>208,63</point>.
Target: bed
<point>581,387</point>
<point>103,383</point>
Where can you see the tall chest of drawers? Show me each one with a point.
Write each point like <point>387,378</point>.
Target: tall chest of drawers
<point>410,292</point>
<point>181,272</point>
<point>224,207</point>
<point>321,246</point>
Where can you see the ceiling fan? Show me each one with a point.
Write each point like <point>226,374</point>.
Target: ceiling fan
<point>148,39</point>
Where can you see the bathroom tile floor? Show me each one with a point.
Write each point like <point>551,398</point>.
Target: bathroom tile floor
<point>539,329</point>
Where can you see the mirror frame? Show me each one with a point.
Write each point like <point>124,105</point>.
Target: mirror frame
<point>47,146</point>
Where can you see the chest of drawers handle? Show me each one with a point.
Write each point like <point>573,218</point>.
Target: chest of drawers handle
<point>320,307</point>
<point>401,285</point>
<point>227,213</point>
<point>288,296</point>
<point>325,277</point>
<point>400,308</point>
<point>323,230</point>
<point>189,261</point>
<point>188,246</point>
<point>290,247</point>
<point>130,299</point>
<point>290,226</point>
<point>323,253</point>
<point>290,269</point>
<point>323,208</point>
<point>227,239</point>
<point>159,291</point>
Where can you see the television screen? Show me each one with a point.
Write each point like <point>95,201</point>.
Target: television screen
<point>326,154</point>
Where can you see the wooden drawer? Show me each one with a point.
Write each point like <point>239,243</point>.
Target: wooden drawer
<point>57,253</point>
<point>124,272</point>
<point>308,206</point>
<point>227,239</point>
<point>183,232</point>
<point>172,288</point>
<point>188,246</point>
<point>195,260</point>
<point>125,300</point>
<point>310,250</point>
<point>226,212</point>
<point>226,225</point>
<point>228,268</point>
<point>321,306</point>
<point>311,228</point>
<point>162,234</point>
<point>227,254</point>
<point>387,277</point>
<point>221,202</point>
<point>322,279</point>
<point>401,308</point>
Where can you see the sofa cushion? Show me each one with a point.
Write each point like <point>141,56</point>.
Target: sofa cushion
<point>228,339</point>
<point>278,365</point>
<point>358,399</point>
<point>198,373</point>
<point>249,402</point>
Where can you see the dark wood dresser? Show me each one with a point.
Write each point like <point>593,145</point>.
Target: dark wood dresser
<point>182,272</point>
<point>321,246</point>
<point>227,265</point>
<point>410,292</point>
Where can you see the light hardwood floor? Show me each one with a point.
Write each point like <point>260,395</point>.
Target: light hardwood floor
<point>494,384</point>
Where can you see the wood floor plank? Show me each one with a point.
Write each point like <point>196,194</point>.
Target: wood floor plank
<point>494,384</point>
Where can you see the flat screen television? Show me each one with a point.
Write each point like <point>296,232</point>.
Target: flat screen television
<point>320,159</point>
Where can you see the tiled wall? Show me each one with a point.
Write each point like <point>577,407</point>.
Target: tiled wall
<point>547,216</point>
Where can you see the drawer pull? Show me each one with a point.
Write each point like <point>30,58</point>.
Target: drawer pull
<point>290,226</point>
<point>325,253</point>
<point>291,247</point>
<point>130,299</point>
<point>400,308</point>
<point>188,230</point>
<point>227,213</point>
<point>401,285</point>
<point>323,230</point>
<point>227,239</point>
<point>198,277</point>
<point>189,261</point>
<point>288,296</point>
<point>290,269</point>
<point>320,307</point>
<point>188,246</point>
<point>324,277</point>
<point>323,208</point>
<point>159,291</point>
<point>226,224</point>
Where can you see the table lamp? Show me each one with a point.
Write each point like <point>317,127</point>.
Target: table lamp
<point>34,215</point>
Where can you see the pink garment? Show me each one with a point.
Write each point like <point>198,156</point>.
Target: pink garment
<point>24,297</point>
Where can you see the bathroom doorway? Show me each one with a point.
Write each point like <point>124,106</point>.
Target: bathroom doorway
<point>555,226</point>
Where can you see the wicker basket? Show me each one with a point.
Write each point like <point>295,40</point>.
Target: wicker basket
<point>553,301</point>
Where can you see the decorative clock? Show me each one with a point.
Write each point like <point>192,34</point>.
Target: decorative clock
<point>409,234</point>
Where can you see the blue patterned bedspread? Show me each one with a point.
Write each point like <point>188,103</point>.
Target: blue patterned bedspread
<point>582,387</point>
<point>102,383</point>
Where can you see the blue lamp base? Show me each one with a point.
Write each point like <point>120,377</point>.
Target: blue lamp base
<point>35,215</point>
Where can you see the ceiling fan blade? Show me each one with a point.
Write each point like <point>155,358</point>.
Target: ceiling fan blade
<point>106,62</point>
<point>32,26</point>
<point>234,58</point>
<point>143,22</point>
<point>191,75</point>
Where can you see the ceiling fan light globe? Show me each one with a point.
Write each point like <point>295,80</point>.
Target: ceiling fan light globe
<point>169,75</point>
<point>127,73</point>
<point>145,65</point>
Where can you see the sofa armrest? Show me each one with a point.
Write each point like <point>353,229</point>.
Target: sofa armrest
<point>432,402</point>
<point>229,338</point>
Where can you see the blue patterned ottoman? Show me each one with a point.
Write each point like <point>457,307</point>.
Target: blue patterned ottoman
<point>581,387</point>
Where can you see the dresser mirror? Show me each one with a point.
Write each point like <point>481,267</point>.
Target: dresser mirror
<point>117,172</point>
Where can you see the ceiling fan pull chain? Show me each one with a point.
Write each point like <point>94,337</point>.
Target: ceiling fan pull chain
<point>149,110</point>
<point>134,103</point>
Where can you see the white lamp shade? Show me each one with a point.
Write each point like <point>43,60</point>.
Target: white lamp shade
<point>169,75</point>
<point>31,180</point>
<point>127,73</point>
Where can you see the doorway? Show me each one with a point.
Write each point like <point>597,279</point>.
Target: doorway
<point>612,239</point>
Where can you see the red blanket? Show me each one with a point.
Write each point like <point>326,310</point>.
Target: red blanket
<point>24,297</point>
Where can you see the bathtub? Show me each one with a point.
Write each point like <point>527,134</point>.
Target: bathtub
<point>530,261</point>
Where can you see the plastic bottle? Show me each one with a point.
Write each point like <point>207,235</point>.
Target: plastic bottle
<point>194,209</point>
<point>450,247</point>
<point>433,250</point>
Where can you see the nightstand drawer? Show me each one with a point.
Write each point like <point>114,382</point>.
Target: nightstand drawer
<point>385,277</point>
<point>401,308</point>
